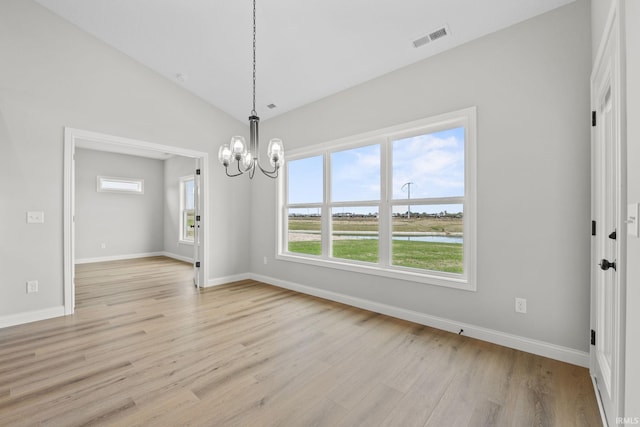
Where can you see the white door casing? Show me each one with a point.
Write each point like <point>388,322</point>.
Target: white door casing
<point>74,137</point>
<point>198,227</point>
<point>608,244</point>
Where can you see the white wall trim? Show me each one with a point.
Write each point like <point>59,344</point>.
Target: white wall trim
<point>120,257</point>
<point>529,345</point>
<point>31,316</point>
<point>228,279</point>
<point>178,257</point>
<point>134,256</point>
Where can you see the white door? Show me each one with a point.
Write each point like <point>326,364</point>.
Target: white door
<point>198,269</point>
<point>607,198</point>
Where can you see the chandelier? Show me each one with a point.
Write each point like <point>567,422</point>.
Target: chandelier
<point>247,158</point>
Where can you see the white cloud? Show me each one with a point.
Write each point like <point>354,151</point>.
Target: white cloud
<point>435,166</point>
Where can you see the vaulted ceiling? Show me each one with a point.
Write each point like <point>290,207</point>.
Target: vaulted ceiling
<point>306,50</point>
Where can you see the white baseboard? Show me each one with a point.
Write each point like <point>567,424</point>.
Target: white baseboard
<point>178,257</point>
<point>517,342</point>
<point>118,257</point>
<point>227,279</point>
<point>30,316</point>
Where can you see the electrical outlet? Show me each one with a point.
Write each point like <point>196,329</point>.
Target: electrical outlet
<point>265,260</point>
<point>103,245</point>
<point>32,286</point>
<point>34,217</point>
<point>521,305</point>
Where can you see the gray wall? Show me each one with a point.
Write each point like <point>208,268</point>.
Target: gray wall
<point>174,169</point>
<point>530,84</point>
<point>127,224</point>
<point>54,75</point>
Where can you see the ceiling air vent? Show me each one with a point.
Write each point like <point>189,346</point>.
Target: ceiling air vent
<point>432,36</point>
<point>271,106</point>
<point>421,41</point>
<point>439,33</point>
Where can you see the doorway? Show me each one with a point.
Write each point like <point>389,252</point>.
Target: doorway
<point>76,138</point>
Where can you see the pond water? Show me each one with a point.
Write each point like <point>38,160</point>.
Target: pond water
<point>434,239</point>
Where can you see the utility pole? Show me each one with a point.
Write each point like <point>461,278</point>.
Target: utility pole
<point>408,187</point>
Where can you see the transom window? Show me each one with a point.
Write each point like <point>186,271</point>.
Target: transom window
<point>107,184</point>
<point>398,202</point>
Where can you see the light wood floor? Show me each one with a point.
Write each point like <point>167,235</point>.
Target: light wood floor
<point>147,348</point>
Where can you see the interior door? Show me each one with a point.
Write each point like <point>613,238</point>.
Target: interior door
<point>607,263</point>
<point>198,270</point>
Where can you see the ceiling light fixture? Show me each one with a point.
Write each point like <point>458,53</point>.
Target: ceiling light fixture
<point>248,158</point>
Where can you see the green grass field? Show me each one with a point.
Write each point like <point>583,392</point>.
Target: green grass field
<point>424,255</point>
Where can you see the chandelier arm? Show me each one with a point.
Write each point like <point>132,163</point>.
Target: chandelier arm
<point>270,173</point>
<point>242,170</point>
<point>226,170</point>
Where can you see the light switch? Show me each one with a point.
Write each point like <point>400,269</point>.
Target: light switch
<point>35,217</point>
<point>632,219</point>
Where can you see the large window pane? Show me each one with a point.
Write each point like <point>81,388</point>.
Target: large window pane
<point>305,227</point>
<point>305,180</point>
<point>189,186</point>
<point>188,221</point>
<point>355,174</point>
<point>429,165</point>
<point>355,233</point>
<point>187,207</point>
<point>428,237</point>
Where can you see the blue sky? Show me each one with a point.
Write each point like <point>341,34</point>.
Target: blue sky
<point>432,163</point>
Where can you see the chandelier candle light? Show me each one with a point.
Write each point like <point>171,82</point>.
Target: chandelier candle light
<point>247,158</point>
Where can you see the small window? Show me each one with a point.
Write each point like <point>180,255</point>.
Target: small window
<point>120,185</point>
<point>187,209</point>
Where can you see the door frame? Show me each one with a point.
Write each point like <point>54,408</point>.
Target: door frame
<point>609,66</point>
<point>74,137</point>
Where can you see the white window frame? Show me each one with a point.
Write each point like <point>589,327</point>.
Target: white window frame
<point>103,181</point>
<point>467,280</point>
<point>184,212</point>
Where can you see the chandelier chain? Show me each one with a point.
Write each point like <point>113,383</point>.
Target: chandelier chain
<point>253,112</point>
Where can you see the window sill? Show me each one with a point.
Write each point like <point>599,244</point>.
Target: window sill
<point>185,242</point>
<point>454,281</point>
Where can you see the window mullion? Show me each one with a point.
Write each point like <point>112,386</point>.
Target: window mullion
<point>326,209</point>
<point>384,211</point>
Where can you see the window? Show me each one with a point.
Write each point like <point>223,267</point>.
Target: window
<point>187,209</point>
<point>120,185</point>
<point>399,202</point>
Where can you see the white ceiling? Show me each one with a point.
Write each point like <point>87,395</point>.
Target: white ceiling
<point>306,50</point>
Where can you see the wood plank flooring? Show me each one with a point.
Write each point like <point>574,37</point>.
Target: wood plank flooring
<point>145,347</point>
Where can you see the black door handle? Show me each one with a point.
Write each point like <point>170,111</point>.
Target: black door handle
<point>605,265</point>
